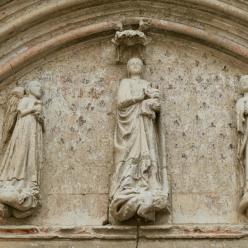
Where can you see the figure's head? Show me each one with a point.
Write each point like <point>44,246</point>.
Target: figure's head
<point>244,83</point>
<point>34,88</point>
<point>134,66</point>
<point>18,91</point>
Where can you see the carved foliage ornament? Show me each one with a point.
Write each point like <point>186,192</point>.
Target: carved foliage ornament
<point>131,43</point>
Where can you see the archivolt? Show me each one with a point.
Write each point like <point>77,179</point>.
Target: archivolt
<point>30,53</point>
<point>54,7</point>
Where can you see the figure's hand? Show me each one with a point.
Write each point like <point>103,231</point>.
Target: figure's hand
<point>156,106</point>
<point>37,108</point>
<point>149,107</point>
<point>152,93</point>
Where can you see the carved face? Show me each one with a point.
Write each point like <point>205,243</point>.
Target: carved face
<point>135,66</point>
<point>35,89</point>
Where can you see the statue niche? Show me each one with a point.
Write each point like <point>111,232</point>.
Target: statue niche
<point>22,152</point>
<point>137,188</point>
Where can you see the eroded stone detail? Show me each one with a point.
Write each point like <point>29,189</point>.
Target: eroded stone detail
<point>22,148</point>
<point>242,128</point>
<point>137,186</point>
<point>131,43</point>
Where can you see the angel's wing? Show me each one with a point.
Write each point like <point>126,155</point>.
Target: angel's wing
<point>11,114</point>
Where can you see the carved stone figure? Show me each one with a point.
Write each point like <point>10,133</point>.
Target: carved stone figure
<point>242,128</point>
<point>137,184</point>
<point>23,127</point>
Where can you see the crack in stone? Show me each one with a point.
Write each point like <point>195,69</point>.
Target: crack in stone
<point>12,68</point>
<point>137,232</point>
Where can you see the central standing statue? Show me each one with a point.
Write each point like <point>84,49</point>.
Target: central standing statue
<point>137,185</point>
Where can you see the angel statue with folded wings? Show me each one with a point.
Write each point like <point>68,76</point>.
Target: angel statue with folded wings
<point>21,151</point>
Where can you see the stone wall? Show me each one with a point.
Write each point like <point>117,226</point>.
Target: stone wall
<point>199,84</point>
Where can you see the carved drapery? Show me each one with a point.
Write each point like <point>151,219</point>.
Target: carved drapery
<point>242,128</point>
<point>22,152</point>
<point>226,36</point>
<point>137,183</point>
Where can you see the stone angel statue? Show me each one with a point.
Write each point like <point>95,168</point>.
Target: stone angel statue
<point>11,114</point>
<point>22,138</point>
<point>137,188</point>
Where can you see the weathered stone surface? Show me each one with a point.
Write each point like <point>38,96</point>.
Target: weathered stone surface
<point>242,151</point>
<point>22,149</point>
<point>199,89</point>
<point>196,244</point>
<point>68,244</point>
<point>139,186</point>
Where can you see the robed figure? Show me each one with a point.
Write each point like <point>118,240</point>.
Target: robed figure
<point>242,128</point>
<point>22,153</point>
<point>137,182</point>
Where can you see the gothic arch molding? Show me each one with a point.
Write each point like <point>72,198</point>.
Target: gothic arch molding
<point>32,16</point>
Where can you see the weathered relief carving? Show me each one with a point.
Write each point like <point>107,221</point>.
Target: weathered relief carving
<point>131,43</point>
<point>137,184</point>
<point>242,128</point>
<point>22,152</point>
